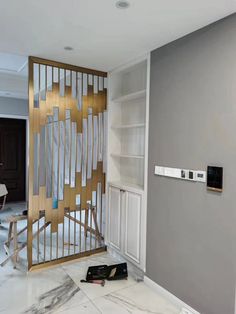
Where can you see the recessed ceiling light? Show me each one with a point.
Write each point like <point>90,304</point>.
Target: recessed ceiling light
<point>122,4</point>
<point>68,48</point>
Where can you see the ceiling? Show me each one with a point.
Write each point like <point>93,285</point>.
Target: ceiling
<point>103,37</point>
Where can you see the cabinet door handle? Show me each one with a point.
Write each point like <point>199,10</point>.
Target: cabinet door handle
<point>1,163</point>
<point>123,191</point>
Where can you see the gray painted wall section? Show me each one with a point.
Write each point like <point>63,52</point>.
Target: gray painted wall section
<point>191,233</point>
<point>13,106</point>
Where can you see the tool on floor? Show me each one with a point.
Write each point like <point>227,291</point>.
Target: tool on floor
<point>98,282</point>
<point>98,274</point>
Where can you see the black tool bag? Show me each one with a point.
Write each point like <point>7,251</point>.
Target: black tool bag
<point>97,272</point>
<point>113,272</point>
<point>118,271</point>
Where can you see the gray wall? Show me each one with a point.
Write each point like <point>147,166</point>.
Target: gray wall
<point>13,106</point>
<point>191,233</point>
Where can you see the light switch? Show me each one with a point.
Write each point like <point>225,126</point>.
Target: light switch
<point>201,176</point>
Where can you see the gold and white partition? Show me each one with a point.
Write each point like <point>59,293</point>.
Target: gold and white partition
<point>67,162</point>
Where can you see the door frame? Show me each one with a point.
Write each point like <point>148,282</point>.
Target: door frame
<point>26,118</point>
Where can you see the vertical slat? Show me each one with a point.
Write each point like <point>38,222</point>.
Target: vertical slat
<point>49,157</point>
<point>79,152</point>
<point>55,155</point>
<point>100,136</point>
<point>55,75</point>
<point>90,79</point>
<point>67,146</point>
<point>61,161</point>
<point>95,84</point>
<point>36,84</point>
<point>73,85</point>
<point>84,152</point>
<point>68,77</point>
<point>90,143</point>
<point>95,142</point>
<point>49,78</point>
<point>99,207</point>
<point>85,84</point>
<point>36,164</point>
<point>79,91</point>
<point>42,82</point>
<point>100,83</point>
<point>62,82</point>
<point>105,130</point>
<point>42,165</point>
<point>73,154</point>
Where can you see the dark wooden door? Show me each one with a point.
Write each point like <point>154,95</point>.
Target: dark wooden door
<point>12,157</point>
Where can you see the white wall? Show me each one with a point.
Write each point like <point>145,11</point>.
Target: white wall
<point>13,106</point>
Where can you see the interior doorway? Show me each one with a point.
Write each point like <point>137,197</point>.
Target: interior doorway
<point>13,158</point>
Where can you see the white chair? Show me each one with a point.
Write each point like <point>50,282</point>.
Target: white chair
<point>3,196</point>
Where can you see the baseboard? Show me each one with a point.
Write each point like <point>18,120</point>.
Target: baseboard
<point>169,296</point>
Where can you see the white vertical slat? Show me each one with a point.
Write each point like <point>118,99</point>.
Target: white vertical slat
<point>79,91</point>
<point>49,78</point>
<point>62,82</point>
<point>42,82</point>
<point>73,84</point>
<point>95,142</point>
<point>85,84</point>
<point>90,143</point>
<point>105,128</point>
<point>79,152</point>
<point>61,161</point>
<point>55,75</point>
<point>84,152</point>
<point>73,154</point>
<point>67,146</point>
<point>100,83</point>
<point>68,76</point>
<point>95,84</point>
<point>90,79</point>
<point>100,136</point>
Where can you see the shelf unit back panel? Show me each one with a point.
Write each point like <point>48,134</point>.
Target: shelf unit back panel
<point>129,81</point>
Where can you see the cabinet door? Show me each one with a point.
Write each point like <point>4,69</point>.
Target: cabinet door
<point>133,226</point>
<point>114,217</point>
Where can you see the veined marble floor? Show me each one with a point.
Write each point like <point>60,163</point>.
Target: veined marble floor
<point>59,290</point>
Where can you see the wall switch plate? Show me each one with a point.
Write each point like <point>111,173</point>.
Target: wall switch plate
<point>185,311</point>
<point>201,176</point>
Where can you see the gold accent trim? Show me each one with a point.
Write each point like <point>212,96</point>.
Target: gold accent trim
<point>67,258</point>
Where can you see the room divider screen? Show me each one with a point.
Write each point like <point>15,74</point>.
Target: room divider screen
<point>67,162</point>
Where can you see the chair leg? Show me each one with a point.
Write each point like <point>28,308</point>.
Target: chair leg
<point>15,244</point>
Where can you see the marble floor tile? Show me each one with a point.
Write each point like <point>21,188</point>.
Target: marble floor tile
<point>78,271</point>
<point>85,308</point>
<point>138,299</point>
<point>39,292</point>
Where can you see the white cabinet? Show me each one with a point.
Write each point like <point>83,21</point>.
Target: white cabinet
<point>115,217</point>
<point>127,160</point>
<point>126,227</point>
<point>132,217</point>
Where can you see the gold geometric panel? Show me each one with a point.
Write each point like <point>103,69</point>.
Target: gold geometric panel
<point>67,162</point>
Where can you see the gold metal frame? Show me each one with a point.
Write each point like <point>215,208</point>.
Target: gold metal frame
<point>40,206</point>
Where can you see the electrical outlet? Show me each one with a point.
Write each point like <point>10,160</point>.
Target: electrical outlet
<point>185,311</point>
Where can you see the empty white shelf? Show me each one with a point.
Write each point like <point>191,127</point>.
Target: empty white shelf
<point>127,186</point>
<point>132,96</point>
<point>128,126</point>
<point>128,156</point>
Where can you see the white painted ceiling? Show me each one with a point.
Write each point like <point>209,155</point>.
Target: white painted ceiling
<point>103,36</point>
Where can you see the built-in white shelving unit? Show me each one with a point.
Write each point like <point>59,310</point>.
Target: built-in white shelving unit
<point>128,116</point>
